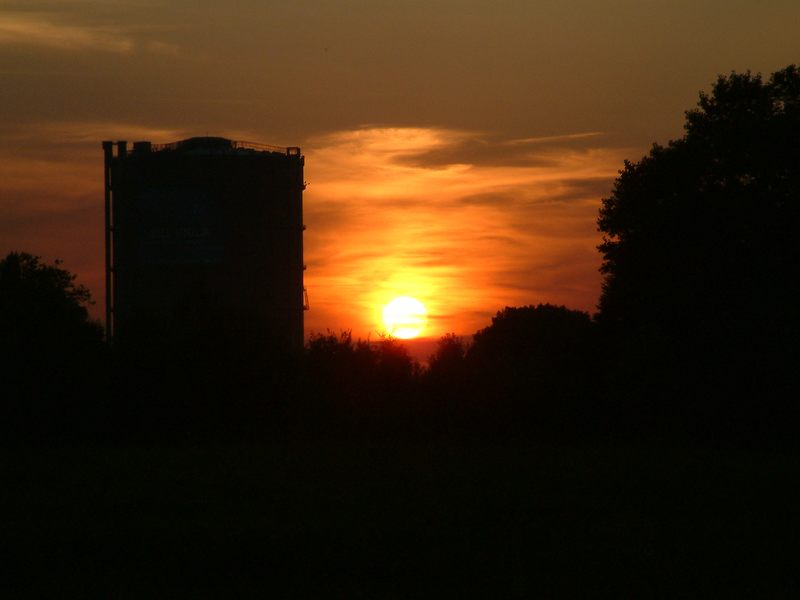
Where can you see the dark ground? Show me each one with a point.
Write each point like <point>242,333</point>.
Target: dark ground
<point>401,520</point>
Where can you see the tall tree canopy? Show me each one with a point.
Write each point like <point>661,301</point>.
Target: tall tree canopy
<point>534,351</point>
<point>702,281</point>
<point>704,228</point>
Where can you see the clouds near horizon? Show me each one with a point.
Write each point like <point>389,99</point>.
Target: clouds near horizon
<point>456,149</point>
<point>466,236</point>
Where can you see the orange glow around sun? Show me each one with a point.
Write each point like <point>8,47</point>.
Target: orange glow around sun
<point>404,317</point>
<point>465,225</point>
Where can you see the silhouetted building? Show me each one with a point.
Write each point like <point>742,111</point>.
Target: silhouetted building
<point>205,231</point>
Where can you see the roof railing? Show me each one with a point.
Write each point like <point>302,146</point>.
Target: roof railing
<point>226,144</point>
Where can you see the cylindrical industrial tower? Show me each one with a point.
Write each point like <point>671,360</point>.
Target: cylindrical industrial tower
<point>204,233</point>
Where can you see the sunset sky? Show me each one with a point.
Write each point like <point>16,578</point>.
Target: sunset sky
<point>456,151</point>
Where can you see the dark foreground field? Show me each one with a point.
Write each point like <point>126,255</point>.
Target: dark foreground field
<point>400,520</point>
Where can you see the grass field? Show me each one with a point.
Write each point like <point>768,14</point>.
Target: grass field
<point>400,520</point>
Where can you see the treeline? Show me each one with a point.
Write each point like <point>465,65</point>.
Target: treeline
<point>532,370</point>
<point>695,335</point>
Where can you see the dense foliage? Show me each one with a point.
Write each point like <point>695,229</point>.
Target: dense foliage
<point>51,353</point>
<point>701,273</point>
<point>41,305</point>
<point>704,227</point>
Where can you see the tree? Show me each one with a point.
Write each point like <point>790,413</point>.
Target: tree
<point>539,336</point>
<point>359,368</point>
<point>538,359</point>
<point>50,351</point>
<point>41,306</point>
<point>447,363</point>
<point>699,252</point>
<point>703,228</point>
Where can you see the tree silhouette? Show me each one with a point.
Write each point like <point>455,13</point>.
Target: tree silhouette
<point>50,349</point>
<point>447,362</point>
<point>41,308</point>
<point>536,360</point>
<point>358,369</point>
<point>704,226</point>
<point>538,337</point>
<point>41,303</point>
<point>699,255</point>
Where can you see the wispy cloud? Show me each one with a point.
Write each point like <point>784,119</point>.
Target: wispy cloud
<point>549,139</point>
<point>39,30</point>
<point>50,30</point>
<point>465,232</point>
<point>87,131</point>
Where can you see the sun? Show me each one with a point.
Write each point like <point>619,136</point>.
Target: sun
<point>405,317</point>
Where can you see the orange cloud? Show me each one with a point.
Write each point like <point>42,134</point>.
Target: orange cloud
<point>464,222</point>
<point>437,215</point>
